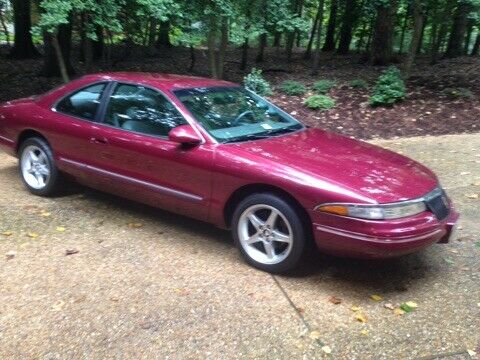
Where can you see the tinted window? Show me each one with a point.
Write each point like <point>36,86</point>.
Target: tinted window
<point>143,110</point>
<point>83,103</point>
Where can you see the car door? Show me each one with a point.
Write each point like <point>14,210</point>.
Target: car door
<point>135,158</point>
<point>73,128</point>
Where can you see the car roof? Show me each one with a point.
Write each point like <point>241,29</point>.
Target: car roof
<point>164,81</point>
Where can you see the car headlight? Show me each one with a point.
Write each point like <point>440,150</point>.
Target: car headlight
<point>375,212</point>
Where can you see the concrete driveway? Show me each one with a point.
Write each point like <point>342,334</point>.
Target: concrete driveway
<point>143,283</point>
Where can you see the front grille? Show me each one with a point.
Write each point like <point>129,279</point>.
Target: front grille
<point>438,205</point>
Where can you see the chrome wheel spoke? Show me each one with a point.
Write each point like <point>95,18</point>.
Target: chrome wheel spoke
<point>281,237</point>
<point>269,249</point>
<point>255,221</point>
<point>254,239</point>
<point>43,170</point>
<point>272,218</point>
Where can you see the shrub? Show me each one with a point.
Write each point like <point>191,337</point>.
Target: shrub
<point>389,88</point>
<point>458,93</point>
<point>256,83</point>
<point>291,87</point>
<point>319,102</point>
<point>323,86</point>
<point>358,84</point>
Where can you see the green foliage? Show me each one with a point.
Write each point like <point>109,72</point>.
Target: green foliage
<point>319,102</point>
<point>324,86</point>
<point>256,83</point>
<point>358,84</point>
<point>389,88</point>
<point>291,87</point>
<point>458,93</point>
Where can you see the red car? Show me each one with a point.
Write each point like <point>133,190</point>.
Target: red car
<point>217,152</point>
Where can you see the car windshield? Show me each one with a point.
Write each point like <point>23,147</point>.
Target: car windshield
<point>232,114</point>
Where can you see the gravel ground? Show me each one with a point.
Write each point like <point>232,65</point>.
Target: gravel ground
<point>143,283</point>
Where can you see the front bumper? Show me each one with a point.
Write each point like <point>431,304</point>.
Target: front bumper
<point>359,238</point>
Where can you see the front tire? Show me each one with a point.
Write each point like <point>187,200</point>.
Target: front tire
<point>37,167</point>
<point>269,232</point>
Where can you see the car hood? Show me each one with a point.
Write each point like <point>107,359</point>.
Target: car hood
<point>377,175</point>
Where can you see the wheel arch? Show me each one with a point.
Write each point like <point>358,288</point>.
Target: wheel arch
<point>241,193</point>
<point>27,134</point>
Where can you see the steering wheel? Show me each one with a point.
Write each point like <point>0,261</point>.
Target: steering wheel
<point>241,116</point>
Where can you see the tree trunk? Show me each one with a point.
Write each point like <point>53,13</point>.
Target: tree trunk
<point>442,31</point>
<point>457,34</point>
<point>152,33</point>
<point>418,21</point>
<point>261,48</point>
<point>468,37</point>
<point>59,57</point>
<point>61,43</point>
<point>332,21</point>
<point>422,33</point>
<point>308,51</point>
<point>4,26</point>
<point>212,46</point>
<point>98,45</point>
<point>316,59</point>
<point>382,42</point>
<point>244,61</point>
<point>277,37</point>
<point>23,47</point>
<point>223,47</point>
<point>348,24</point>
<point>164,35</point>
<point>404,29</point>
<point>192,58</point>
<point>476,46</point>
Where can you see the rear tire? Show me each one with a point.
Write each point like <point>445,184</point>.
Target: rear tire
<point>269,232</point>
<point>37,167</point>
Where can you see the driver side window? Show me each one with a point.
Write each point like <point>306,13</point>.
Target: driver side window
<point>143,110</point>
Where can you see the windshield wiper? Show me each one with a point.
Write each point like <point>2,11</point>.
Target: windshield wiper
<point>262,135</point>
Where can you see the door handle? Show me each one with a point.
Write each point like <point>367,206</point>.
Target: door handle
<point>100,141</point>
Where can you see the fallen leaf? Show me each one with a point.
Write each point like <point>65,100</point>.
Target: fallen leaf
<point>326,349</point>
<point>10,255</point>
<point>449,261</point>
<point>364,332</point>
<point>477,244</point>
<point>71,251</point>
<point>472,196</point>
<point>471,353</point>
<point>135,225</point>
<point>314,335</point>
<point>60,229</point>
<point>58,305</point>
<point>360,317</point>
<point>477,183</point>
<point>405,307</point>
<point>182,292</point>
<point>375,297</point>
<point>32,235</point>
<point>389,306</point>
<point>301,310</point>
<point>335,300</point>
<point>45,214</point>
<point>411,304</point>
<point>355,308</point>
<point>398,311</point>
<point>7,233</point>
<point>465,173</point>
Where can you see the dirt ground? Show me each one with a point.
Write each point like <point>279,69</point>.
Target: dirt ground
<point>93,276</point>
<point>426,111</point>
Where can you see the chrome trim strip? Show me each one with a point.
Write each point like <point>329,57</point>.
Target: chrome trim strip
<point>155,187</point>
<point>430,195</point>
<point>358,236</point>
<point>6,139</point>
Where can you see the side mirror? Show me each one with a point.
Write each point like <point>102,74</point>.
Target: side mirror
<point>185,135</point>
